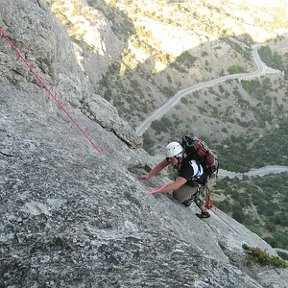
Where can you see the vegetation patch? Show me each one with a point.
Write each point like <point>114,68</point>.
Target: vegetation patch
<point>259,203</point>
<point>240,156</point>
<point>257,255</point>
<point>235,69</point>
<point>186,59</point>
<point>271,59</point>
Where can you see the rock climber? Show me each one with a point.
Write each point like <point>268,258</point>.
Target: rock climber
<point>190,182</point>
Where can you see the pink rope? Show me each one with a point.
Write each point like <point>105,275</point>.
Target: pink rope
<point>48,90</point>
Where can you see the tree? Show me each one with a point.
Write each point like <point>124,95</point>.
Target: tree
<point>238,214</point>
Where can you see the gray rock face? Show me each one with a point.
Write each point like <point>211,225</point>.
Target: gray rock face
<point>73,217</point>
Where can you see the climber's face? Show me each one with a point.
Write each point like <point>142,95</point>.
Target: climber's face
<point>173,160</point>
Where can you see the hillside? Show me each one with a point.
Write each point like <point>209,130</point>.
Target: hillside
<point>165,47</point>
<point>75,214</point>
<point>260,203</point>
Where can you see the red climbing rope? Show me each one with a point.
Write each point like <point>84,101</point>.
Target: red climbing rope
<point>48,90</point>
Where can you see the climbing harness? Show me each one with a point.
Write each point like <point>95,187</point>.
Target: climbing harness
<point>48,90</point>
<point>197,201</point>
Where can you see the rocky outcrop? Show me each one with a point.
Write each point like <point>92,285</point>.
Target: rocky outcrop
<point>73,217</point>
<point>101,111</point>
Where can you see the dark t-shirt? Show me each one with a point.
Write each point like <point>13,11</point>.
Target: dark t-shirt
<point>192,175</point>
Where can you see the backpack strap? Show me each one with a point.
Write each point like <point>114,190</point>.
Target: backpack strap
<point>198,169</point>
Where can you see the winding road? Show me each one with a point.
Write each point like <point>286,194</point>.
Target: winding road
<point>158,113</point>
<point>267,170</point>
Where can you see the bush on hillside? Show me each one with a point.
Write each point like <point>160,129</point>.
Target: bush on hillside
<point>260,256</point>
<point>235,69</point>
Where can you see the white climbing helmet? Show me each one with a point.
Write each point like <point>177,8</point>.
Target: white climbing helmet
<point>173,149</point>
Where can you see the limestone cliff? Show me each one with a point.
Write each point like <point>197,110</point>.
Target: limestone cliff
<point>73,217</point>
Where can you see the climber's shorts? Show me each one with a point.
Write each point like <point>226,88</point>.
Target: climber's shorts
<point>186,191</point>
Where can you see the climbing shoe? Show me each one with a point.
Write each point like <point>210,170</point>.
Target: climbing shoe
<point>203,215</point>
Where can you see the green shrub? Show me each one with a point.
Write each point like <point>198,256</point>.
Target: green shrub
<point>235,69</point>
<point>260,256</point>
<point>256,228</point>
<point>186,59</point>
<point>284,256</point>
<point>273,60</point>
<point>148,142</point>
<point>171,173</point>
<point>281,239</point>
<point>237,213</point>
